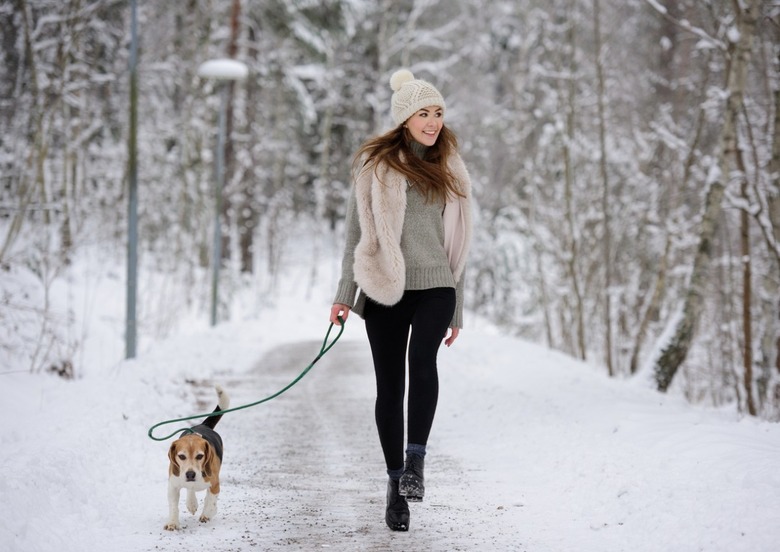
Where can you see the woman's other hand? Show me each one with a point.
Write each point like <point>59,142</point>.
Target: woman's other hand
<point>453,336</point>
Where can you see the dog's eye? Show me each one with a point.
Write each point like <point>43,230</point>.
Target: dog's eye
<point>199,456</point>
<point>182,457</point>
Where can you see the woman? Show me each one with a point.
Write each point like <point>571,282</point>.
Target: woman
<point>408,230</point>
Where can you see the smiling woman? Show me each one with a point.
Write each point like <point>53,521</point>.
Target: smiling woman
<point>408,234</point>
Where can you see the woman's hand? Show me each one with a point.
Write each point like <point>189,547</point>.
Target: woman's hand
<point>453,336</point>
<point>337,310</point>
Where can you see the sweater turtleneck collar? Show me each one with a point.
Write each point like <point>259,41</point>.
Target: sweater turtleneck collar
<point>419,150</point>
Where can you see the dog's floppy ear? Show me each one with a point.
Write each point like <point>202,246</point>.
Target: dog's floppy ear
<point>172,458</point>
<point>209,458</point>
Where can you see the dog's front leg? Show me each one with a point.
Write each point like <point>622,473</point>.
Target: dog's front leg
<point>173,507</point>
<point>192,501</point>
<point>209,506</point>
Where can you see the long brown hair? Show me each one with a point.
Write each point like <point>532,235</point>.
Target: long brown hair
<point>432,173</point>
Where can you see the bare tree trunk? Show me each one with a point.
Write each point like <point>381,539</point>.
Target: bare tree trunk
<point>322,182</point>
<point>69,194</point>
<point>230,165</point>
<point>675,352</point>
<point>654,305</point>
<point>747,324</point>
<point>248,215</point>
<point>538,256</point>
<point>653,308</point>
<point>37,152</point>
<point>774,217</point>
<point>607,235</point>
<point>573,253</point>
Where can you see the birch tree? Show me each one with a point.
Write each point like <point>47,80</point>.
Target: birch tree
<point>740,44</point>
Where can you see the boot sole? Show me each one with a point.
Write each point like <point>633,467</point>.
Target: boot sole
<point>399,527</point>
<point>412,493</point>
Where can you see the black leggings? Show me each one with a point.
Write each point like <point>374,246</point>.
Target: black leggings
<point>428,312</point>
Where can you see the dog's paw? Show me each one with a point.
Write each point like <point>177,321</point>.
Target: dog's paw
<point>171,526</point>
<point>204,519</point>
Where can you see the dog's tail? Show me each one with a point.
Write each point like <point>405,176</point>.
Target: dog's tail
<point>223,403</point>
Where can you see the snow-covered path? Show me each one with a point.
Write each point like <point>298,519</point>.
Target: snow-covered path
<point>530,451</point>
<point>304,472</point>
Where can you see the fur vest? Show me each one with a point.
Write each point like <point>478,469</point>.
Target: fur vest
<point>380,270</point>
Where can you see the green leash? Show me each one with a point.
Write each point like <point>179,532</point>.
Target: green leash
<point>324,349</point>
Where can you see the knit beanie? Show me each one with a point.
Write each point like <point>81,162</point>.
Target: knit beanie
<point>411,95</point>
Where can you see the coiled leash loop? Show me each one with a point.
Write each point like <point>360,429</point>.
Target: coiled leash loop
<point>324,349</point>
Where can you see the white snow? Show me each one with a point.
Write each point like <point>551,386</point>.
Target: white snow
<point>223,69</point>
<point>733,34</point>
<point>656,6</point>
<point>530,450</point>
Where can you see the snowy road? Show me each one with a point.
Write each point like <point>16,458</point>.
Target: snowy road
<point>304,471</point>
<point>531,451</point>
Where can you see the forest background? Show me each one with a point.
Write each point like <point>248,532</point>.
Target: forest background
<point>625,157</point>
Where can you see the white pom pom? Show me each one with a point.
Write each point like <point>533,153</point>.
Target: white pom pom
<point>399,78</point>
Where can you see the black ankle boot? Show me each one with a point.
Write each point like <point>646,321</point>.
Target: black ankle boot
<point>397,514</point>
<point>411,483</point>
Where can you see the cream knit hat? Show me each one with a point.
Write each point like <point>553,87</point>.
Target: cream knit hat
<point>410,95</point>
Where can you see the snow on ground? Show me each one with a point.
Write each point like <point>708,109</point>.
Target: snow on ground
<point>530,451</point>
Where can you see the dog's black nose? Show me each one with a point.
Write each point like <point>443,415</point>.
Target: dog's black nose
<point>190,475</point>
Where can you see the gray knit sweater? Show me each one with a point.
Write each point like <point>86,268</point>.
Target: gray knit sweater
<point>422,245</point>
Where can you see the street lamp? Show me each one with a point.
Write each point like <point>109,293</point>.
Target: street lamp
<point>222,71</point>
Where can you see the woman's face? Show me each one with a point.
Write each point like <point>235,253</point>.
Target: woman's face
<point>425,124</point>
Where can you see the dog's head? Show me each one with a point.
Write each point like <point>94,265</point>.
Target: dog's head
<point>192,455</point>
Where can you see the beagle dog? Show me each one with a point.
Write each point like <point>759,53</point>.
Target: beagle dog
<point>195,460</point>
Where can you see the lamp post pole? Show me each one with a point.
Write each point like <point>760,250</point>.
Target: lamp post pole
<point>221,70</point>
<point>132,202</point>
<point>220,183</point>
